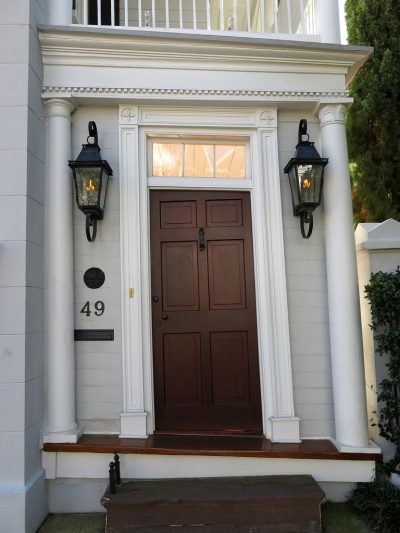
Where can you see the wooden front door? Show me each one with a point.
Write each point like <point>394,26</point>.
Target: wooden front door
<point>206,373</point>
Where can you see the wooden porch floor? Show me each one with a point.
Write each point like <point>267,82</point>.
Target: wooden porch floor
<point>214,445</point>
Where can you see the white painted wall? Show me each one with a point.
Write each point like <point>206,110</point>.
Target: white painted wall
<point>307,297</point>
<point>99,364</point>
<point>23,501</point>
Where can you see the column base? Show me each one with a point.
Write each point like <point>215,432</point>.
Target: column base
<point>68,437</point>
<point>345,448</point>
<point>134,426</point>
<point>285,429</point>
<point>23,506</point>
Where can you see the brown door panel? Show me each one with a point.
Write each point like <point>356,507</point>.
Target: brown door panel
<point>206,374</point>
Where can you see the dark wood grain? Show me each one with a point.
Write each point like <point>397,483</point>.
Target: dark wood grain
<point>205,351</point>
<point>212,445</point>
<point>275,504</point>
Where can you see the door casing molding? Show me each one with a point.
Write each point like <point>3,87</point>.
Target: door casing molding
<point>135,125</point>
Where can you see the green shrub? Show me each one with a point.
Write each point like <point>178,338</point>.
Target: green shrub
<point>379,505</point>
<point>383,294</point>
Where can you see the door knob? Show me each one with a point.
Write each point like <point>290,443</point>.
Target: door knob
<point>164,316</point>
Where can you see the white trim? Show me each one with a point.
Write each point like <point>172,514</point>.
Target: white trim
<point>144,466</point>
<point>76,91</point>
<point>70,437</point>
<point>133,418</point>
<point>272,310</point>
<point>371,448</point>
<point>199,183</point>
<point>279,420</point>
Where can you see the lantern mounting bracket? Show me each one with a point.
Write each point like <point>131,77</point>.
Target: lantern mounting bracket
<point>303,131</point>
<point>91,222</point>
<point>306,218</point>
<point>93,133</point>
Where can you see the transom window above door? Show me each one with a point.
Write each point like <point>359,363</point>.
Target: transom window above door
<point>199,158</point>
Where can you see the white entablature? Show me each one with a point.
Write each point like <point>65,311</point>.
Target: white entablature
<point>120,64</point>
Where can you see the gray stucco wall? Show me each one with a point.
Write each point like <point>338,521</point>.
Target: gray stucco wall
<point>23,500</point>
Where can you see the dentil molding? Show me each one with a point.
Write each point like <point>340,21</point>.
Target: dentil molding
<point>49,91</point>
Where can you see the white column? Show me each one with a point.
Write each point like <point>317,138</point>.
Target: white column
<point>343,297</point>
<point>59,288</point>
<point>327,20</point>
<point>60,12</point>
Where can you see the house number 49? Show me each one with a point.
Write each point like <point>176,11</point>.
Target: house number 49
<point>99,308</point>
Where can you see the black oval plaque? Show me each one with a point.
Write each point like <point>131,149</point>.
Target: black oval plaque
<point>94,278</point>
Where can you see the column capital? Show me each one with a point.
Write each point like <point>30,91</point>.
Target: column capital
<point>331,113</point>
<point>59,107</point>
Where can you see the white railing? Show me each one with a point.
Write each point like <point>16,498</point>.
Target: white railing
<point>250,16</point>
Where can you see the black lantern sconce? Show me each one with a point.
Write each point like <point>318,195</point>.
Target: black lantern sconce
<point>306,174</point>
<point>91,174</point>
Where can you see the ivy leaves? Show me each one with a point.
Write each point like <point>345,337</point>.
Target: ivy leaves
<point>383,294</point>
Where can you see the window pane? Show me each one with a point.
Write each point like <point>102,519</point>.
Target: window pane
<point>230,161</point>
<point>199,161</point>
<point>167,159</point>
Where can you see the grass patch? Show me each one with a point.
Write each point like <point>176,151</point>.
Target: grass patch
<point>74,523</point>
<point>342,518</point>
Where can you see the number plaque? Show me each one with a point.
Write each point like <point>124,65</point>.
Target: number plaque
<point>94,335</point>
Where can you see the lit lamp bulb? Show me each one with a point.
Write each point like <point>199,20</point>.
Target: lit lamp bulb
<point>90,186</point>
<point>305,189</point>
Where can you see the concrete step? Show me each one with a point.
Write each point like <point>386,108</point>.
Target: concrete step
<point>275,504</point>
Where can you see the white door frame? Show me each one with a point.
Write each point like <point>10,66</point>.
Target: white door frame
<point>260,125</point>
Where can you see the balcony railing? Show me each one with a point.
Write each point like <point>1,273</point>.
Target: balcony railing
<point>250,16</point>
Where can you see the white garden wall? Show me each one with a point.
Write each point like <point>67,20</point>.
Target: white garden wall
<point>378,249</point>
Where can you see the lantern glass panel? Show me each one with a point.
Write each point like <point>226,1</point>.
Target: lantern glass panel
<point>309,180</point>
<point>306,183</point>
<point>103,191</point>
<point>88,186</point>
<point>294,185</point>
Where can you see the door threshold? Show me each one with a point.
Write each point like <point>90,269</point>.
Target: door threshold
<point>209,433</point>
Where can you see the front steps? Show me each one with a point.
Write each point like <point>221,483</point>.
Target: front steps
<point>273,504</point>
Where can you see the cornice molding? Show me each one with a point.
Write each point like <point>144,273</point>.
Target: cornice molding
<point>80,47</point>
<point>165,93</point>
<point>57,107</point>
